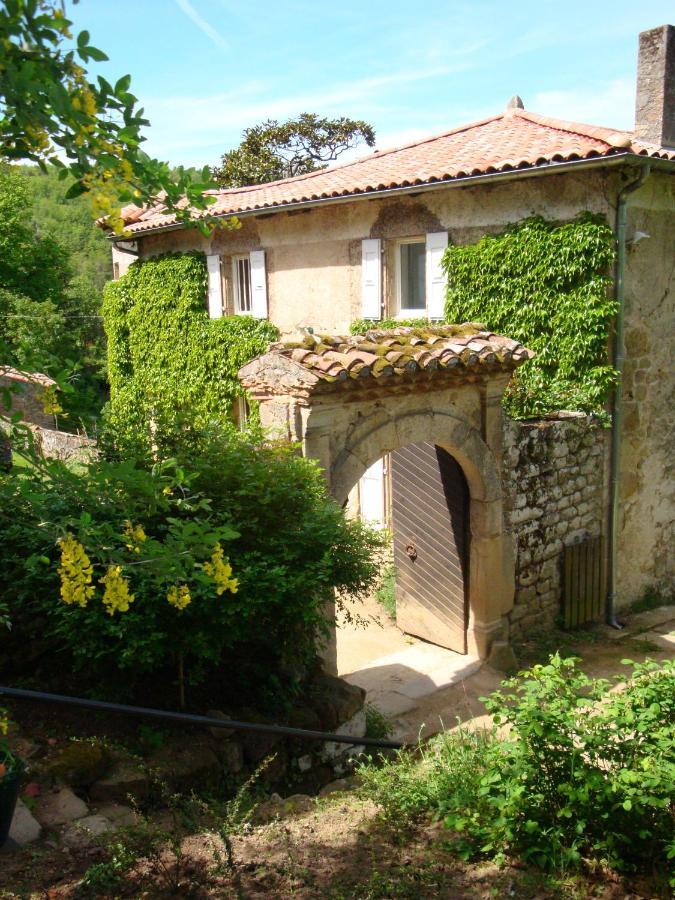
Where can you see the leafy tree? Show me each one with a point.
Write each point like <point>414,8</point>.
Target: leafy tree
<point>51,112</point>
<point>276,150</point>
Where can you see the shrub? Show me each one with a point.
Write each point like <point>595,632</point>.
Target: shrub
<point>581,774</point>
<point>143,559</point>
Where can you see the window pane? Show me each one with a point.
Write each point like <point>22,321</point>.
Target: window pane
<point>413,278</point>
<point>243,287</point>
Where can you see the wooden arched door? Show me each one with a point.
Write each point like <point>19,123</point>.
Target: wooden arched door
<point>430,517</point>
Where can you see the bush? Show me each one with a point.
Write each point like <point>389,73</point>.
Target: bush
<point>124,568</point>
<point>582,773</point>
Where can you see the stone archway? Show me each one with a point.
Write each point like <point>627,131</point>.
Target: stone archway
<point>349,401</point>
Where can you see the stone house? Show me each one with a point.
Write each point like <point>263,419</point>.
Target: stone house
<point>365,240</point>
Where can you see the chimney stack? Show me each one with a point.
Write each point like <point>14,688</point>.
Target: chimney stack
<point>655,98</point>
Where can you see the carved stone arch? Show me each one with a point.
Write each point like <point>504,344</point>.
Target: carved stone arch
<point>347,406</point>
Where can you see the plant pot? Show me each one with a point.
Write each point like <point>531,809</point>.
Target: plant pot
<point>9,794</point>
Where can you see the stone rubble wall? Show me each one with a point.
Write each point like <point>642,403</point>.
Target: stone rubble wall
<point>555,488</point>
<point>63,445</point>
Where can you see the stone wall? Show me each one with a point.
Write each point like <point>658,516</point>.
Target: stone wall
<point>555,487</point>
<point>26,397</point>
<point>63,445</point>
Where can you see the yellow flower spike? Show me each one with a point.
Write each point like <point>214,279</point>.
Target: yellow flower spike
<point>75,572</point>
<point>220,570</point>
<point>179,596</point>
<point>135,536</point>
<point>116,597</point>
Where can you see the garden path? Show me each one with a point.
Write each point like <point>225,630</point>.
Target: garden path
<point>424,689</point>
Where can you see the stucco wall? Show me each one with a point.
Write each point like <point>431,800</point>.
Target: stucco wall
<point>646,532</point>
<point>555,488</point>
<point>313,257</point>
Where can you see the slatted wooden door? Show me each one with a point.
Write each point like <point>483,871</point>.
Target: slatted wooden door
<point>430,504</point>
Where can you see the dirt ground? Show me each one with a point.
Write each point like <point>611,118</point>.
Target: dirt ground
<point>335,847</point>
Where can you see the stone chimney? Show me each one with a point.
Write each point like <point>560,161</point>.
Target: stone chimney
<point>655,99</point>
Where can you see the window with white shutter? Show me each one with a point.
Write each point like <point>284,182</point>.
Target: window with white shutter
<point>371,279</point>
<point>437,243</point>
<point>215,287</point>
<point>258,284</point>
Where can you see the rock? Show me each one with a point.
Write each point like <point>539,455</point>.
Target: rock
<point>125,780</point>
<point>220,734</point>
<point>184,762</point>
<point>278,808</point>
<point>231,756</point>
<point>502,658</point>
<point>305,763</point>
<point>83,831</point>
<point>24,828</point>
<point>340,785</point>
<point>306,718</point>
<point>335,700</point>
<point>118,814</point>
<point>355,727</point>
<point>80,764</point>
<point>59,807</point>
<point>257,744</point>
<point>314,779</point>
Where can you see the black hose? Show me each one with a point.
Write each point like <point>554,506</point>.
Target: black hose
<point>192,719</point>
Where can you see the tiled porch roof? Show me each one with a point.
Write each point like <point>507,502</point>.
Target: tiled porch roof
<point>379,355</point>
<point>511,141</point>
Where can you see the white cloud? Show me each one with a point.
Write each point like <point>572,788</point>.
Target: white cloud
<point>612,104</point>
<point>202,24</point>
<point>208,125</point>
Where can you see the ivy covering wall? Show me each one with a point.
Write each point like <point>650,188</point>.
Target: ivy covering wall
<point>167,361</point>
<point>545,284</point>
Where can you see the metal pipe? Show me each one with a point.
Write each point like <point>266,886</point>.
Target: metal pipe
<point>618,360</point>
<point>192,719</point>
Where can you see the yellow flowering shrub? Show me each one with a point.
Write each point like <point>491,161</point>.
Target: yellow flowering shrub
<point>116,596</point>
<point>179,595</point>
<point>75,572</point>
<point>220,570</point>
<point>135,536</point>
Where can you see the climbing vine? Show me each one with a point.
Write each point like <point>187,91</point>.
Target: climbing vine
<point>545,284</point>
<point>169,365</point>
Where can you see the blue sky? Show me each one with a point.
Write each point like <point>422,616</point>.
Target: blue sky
<point>206,69</point>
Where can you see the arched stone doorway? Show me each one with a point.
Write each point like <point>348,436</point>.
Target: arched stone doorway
<point>349,401</point>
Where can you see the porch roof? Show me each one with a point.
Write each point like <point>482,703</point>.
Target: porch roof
<point>322,362</point>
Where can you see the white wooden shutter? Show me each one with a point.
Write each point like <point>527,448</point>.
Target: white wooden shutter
<point>215,287</point>
<point>371,495</point>
<point>437,242</point>
<point>371,279</point>
<point>258,284</point>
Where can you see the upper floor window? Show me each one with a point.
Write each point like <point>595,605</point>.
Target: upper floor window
<point>241,280</point>
<point>411,293</point>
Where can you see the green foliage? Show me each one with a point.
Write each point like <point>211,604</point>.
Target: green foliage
<point>545,284</point>
<point>580,774</point>
<point>52,266</point>
<point>377,724</point>
<point>90,131</point>
<point>167,361</point>
<point>360,326</point>
<point>386,591</point>
<point>289,546</point>
<point>274,150</point>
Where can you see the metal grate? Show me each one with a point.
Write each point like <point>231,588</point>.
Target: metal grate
<point>584,581</point>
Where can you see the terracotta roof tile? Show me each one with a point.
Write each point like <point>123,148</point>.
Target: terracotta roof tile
<point>26,377</point>
<point>511,141</point>
<point>465,349</point>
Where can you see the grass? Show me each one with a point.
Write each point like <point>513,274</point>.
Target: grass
<point>386,592</point>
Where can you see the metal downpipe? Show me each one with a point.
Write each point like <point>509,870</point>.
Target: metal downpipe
<point>617,414</point>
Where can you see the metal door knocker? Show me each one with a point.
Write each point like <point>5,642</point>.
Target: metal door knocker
<point>411,550</point>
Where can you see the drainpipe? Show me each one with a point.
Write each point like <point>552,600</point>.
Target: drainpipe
<point>618,360</point>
